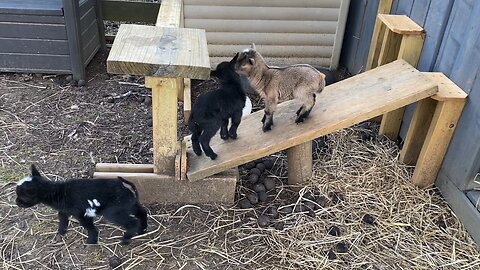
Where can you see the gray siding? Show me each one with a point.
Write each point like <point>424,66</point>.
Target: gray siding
<point>90,40</point>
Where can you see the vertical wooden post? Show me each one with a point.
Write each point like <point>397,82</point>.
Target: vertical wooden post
<point>384,7</point>
<point>100,26</point>
<point>436,143</point>
<point>417,131</point>
<point>72,23</point>
<point>409,50</point>
<point>299,163</point>
<point>164,116</point>
<point>187,100</point>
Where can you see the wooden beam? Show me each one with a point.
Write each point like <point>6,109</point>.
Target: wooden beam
<point>127,168</point>
<point>170,14</point>
<point>361,97</point>
<point>390,46</point>
<point>187,100</point>
<point>299,163</point>
<point>164,116</point>
<point>160,51</point>
<point>391,123</point>
<point>378,32</point>
<point>118,10</point>
<point>436,143</point>
<point>400,24</point>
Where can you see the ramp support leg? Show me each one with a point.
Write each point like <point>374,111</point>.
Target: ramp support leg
<point>299,163</point>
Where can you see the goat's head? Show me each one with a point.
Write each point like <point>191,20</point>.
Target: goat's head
<point>29,188</point>
<point>246,61</point>
<point>226,70</point>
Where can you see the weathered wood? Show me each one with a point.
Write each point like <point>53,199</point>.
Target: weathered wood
<point>178,162</point>
<point>378,32</point>
<point>391,123</point>
<point>361,97</point>
<point>187,100</point>
<point>411,48</point>
<point>390,46</point>
<point>170,14</point>
<point>74,34</point>
<point>38,46</point>
<point>299,163</point>
<point>124,168</point>
<point>33,30</point>
<point>400,24</point>
<point>183,161</point>
<point>422,117</point>
<point>35,63</point>
<point>158,51</point>
<point>164,116</point>
<point>156,188</point>
<point>436,143</point>
<point>117,10</point>
<point>32,7</point>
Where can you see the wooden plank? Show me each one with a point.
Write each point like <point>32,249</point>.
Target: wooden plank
<point>170,13</point>
<point>122,167</point>
<point>391,123</point>
<point>378,33</point>
<point>410,48</point>
<point>263,26</point>
<point>187,100</point>
<point>43,63</point>
<point>183,161</point>
<point>31,18</point>
<point>117,10</point>
<point>401,24</point>
<point>178,165</point>
<point>271,38</point>
<point>361,97</point>
<point>390,47</point>
<point>33,30</point>
<point>164,116</point>
<point>261,13</point>
<point>158,51</point>
<point>447,89</point>
<point>417,131</point>
<point>268,3</point>
<point>439,134</point>
<point>33,46</point>
<point>300,163</point>
<point>31,7</point>
<point>273,50</point>
<point>72,24</point>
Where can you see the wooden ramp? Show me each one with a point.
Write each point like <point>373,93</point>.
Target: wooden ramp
<point>340,105</point>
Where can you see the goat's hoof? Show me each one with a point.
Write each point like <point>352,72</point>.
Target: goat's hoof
<point>224,137</point>
<point>197,152</point>
<point>92,241</point>
<point>265,128</point>
<point>125,242</point>
<point>62,232</point>
<point>213,156</point>
<point>233,136</point>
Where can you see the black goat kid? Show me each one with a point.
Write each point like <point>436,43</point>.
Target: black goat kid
<point>115,199</point>
<point>213,110</point>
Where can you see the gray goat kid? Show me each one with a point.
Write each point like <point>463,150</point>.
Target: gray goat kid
<point>279,84</point>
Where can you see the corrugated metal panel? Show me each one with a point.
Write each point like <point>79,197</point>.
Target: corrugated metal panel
<point>232,25</point>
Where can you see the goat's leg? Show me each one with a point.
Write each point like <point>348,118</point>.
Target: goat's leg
<point>270,106</point>
<point>236,119</point>
<point>195,141</point>
<point>224,129</point>
<point>63,223</point>
<point>205,138</point>
<point>87,223</point>
<point>306,108</point>
<point>141,215</point>
<point>121,217</point>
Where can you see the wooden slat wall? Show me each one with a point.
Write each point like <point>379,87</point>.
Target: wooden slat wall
<point>89,30</point>
<point>285,32</point>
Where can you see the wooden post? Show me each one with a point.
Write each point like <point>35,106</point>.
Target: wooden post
<point>299,163</point>
<point>187,100</point>
<point>383,7</point>
<point>164,116</point>
<point>436,143</point>
<point>72,23</point>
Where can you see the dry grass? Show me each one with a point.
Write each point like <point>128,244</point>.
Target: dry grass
<point>413,229</point>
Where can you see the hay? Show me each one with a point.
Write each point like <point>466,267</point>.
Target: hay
<point>358,173</point>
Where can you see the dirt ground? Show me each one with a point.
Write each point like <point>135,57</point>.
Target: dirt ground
<point>66,130</point>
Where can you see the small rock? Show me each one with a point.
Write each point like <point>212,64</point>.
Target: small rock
<point>253,198</point>
<point>250,165</point>
<point>253,178</point>
<point>273,211</point>
<point>341,247</point>
<point>299,208</point>
<point>334,230</point>
<point>311,213</point>
<point>255,171</point>
<point>81,82</point>
<point>286,210</point>
<point>114,261</point>
<point>260,167</point>
<point>331,255</point>
<point>262,196</point>
<point>259,188</point>
<point>268,164</point>
<point>147,101</point>
<point>336,197</point>
<point>269,183</point>
<point>279,226</point>
<point>322,201</point>
<point>369,219</point>
<point>245,204</point>
<point>263,221</point>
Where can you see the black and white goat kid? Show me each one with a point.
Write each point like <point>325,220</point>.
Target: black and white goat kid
<point>115,199</point>
<point>214,109</point>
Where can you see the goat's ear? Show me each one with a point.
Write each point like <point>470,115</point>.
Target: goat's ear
<point>35,172</point>
<point>251,61</point>
<point>234,59</point>
<point>253,46</point>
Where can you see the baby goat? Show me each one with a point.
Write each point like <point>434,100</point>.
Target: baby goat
<point>213,110</point>
<point>116,200</point>
<point>278,84</point>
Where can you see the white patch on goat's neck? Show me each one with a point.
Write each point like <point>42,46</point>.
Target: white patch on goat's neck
<point>247,109</point>
<point>247,50</point>
<point>96,203</point>
<point>90,212</point>
<point>23,180</point>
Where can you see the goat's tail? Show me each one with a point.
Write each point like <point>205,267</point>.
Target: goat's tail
<point>192,125</point>
<point>321,84</point>
<point>129,185</point>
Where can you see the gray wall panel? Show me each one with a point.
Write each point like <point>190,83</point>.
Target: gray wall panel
<point>31,18</point>
<point>34,62</point>
<point>38,46</point>
<point>30,30</point>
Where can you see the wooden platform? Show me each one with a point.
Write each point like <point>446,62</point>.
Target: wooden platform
<point>341,105</point>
